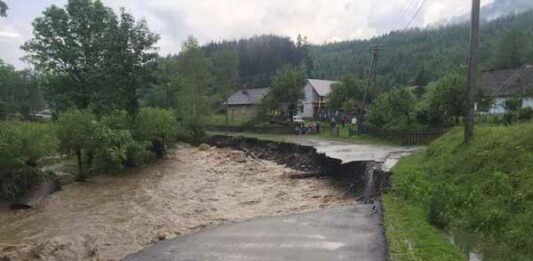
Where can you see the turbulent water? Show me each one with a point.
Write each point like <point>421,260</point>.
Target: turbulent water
<point>109,217</point>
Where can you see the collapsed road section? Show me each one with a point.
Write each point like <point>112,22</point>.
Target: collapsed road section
<point>365,168</point>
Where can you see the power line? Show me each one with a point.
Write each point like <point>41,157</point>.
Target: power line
<point>404,11</point>
<point>416,13</point>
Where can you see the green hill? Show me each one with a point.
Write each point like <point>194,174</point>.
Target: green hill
<point>435,51</point>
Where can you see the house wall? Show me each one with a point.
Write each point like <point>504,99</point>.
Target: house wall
<point>239,111</point>
<point>499,104</point>
<point>310,98</point>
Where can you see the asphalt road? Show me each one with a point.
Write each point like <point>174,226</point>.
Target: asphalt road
<point>347,233</point>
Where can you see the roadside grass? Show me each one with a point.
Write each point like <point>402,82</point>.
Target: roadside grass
<point>410,235</point>
<point>483,188</point>
<point>263,136</point>
<point>220,120</point>
<point>344,134</point>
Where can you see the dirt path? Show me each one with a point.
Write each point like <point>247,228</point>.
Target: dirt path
<point>110,217</point>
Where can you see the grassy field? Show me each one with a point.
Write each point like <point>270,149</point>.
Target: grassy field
<point>484,188</point>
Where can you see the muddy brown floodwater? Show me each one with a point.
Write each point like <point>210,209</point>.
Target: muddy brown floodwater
<point>109,217</point>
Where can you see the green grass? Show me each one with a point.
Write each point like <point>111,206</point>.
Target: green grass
<point>262,136</point>
<point>220,120</point>
<point>344,135</point>
<point>484,188</point>
<point>410,235</point>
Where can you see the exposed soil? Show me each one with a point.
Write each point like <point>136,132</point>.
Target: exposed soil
<point>109,217</point>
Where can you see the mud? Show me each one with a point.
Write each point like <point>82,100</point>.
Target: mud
<point>109,217</point>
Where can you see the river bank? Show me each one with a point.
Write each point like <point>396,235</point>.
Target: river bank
<point>109,217</point>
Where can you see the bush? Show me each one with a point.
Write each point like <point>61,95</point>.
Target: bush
<point>525,113</point>
<point>15,182</point>
<point>76,133</point>
<point>138,154</point>
<point>117,120</point>
<point>158,126</point>
<point>110,150</point>
<point>25,143</point>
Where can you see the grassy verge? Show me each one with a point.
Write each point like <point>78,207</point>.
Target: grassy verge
<point>263,136</point>
<point>344,134</point>
<point>483,188</point>
<point>410,235</point>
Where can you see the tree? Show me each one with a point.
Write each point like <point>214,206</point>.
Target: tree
<point>349,88</point>
<point>225,69</point>
<point>512,50</point>
<point>3,9</point>
<point>196,77</point>
<point>394,109</point>
<point>446,98</point>
<point>130,50</point>
<point>69,44</point>
<point>20,92</point>
<point>303,55</point>
<point>90,55</point>
<point>287,91</point>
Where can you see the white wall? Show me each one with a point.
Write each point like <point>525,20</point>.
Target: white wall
<point>499,104</point>
<point>310,97</point>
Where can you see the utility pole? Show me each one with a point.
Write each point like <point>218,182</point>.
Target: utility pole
<point>371,78</point>
<point>472,73</point>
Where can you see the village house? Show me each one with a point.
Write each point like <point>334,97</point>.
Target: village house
<point>315,101</point>
<point>505,84</point>
<point>243,103</point>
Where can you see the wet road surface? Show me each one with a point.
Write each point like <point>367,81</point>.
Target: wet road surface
<point>346,233</point>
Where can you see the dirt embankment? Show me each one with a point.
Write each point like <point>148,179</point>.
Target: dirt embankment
<point>109,217</point>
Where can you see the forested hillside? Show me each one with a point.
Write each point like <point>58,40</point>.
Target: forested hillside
<point>427,53</point>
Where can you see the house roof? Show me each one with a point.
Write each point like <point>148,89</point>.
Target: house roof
<point>509,82</point>
<point>322,87</point>
<point>248,96</point>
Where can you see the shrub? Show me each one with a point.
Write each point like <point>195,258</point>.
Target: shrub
<point>110,150</point>
<point>24,143</point>
<point>76,133</point>
<point>158,126</point>
<point>117,120</point>
<point>15,182</point>
<point>525,113</point>
<point>138,153</point>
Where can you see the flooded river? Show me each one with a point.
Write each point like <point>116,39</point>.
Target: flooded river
<point>109,217</point>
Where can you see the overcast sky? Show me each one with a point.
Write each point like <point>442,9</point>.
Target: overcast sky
<point>212,20</point>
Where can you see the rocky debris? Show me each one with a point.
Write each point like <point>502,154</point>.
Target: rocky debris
<point>204,146</point>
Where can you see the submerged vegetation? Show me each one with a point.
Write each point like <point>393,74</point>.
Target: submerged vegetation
<point>484,188</point>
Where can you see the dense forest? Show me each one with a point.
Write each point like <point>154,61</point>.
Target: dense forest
<point>430,53</point>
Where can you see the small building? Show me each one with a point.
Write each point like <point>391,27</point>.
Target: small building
<point>316,92</point>
<point>243,103</point>
<point>505,84</point>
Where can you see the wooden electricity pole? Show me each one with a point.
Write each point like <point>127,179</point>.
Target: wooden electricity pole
<point>472,73</point>
<point>371,78</point>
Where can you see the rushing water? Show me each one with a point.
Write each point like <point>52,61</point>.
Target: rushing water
<point>109,217</point>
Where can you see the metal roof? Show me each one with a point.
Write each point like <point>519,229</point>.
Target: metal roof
<point>322,87</point>
<point>248,96</point>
